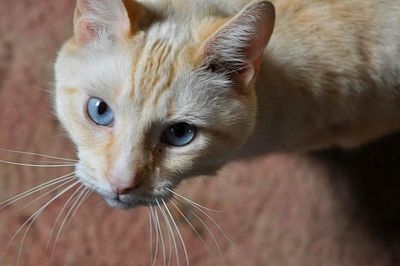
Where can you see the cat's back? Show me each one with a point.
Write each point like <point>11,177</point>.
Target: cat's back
<point>356,39</point>
<point>338,65</point>
<point>340,25</point>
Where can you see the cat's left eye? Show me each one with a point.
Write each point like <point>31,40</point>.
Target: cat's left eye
<point>178,135</point>
<point>99,112</point>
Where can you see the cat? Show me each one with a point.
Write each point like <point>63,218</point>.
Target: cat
<point>153,92</point>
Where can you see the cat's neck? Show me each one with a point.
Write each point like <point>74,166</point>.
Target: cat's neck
<point>283,110</point>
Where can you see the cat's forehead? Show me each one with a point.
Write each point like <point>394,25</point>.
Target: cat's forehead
<point>147,62</point>
<point>157,64</point>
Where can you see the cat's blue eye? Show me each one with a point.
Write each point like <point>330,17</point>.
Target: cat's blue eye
<point>99,112</point>
<point>180,134</point>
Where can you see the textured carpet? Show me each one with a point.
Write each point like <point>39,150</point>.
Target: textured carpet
<point>327,208</point>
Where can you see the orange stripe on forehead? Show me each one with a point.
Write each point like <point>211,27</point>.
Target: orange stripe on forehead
<point>168,81</point>
<point>164,53</point>
<point>160,61</point>
<point>171,75</point>
<point>156,71</point>
<point>148,67</point>
<point>138,52</point>
<point>169,78</point>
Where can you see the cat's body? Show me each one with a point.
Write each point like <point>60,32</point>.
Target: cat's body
<point>330,75</point>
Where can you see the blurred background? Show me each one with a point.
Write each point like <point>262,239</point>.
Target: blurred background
<point>327,208</point>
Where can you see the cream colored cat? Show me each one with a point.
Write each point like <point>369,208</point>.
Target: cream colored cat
<point>152,92</point>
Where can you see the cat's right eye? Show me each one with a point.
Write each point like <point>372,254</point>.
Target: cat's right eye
<point>99,112</point>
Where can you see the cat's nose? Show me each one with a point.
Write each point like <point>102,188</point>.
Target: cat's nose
<point>124,187</point>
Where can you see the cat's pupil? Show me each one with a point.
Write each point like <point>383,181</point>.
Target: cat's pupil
<point>102,108</point>
<point>179,130</point>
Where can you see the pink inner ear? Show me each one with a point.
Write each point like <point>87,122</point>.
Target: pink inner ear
<point>257,44</point>
<point>259,18</point>
<point>264,27</point>
<point>89,20</point>
<point>241,42</point>
<point>84,5</point>
<point>85,31</point>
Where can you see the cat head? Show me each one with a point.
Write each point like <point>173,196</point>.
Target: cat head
<point>151,96</point>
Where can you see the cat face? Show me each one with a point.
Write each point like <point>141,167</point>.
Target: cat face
<point>148,108</point>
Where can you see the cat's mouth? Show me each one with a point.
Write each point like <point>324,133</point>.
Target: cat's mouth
<point>156,195</point>
<point>161,194</point>
<point>129,201</point>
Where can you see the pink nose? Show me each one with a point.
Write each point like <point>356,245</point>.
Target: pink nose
<point>120,187</point>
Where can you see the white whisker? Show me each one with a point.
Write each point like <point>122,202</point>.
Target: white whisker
<point>84,198</point>
<point>179,233</point>
<point>51,92</point>
<point>34,216</point>
<point>151,234</point>
<point>34,190</point>
<point>41,162</point>
<point>59,215</point>
<point>215,223</point>
<point>209,231</point>
<point>65,219</point>
<point>199,207</point>
<point>161,237</point>
<point>169,241</point>
<point>37,165</point>
<point>191,201</point>
<point>48,192</point>
<point>170,230</point>
<point>191,225</point>
<point>24,236</point>
<point>154,213</point>
<point>38,154</point>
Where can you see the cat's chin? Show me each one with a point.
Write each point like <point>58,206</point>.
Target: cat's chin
<point>131,201</point>
<point>119,204</point>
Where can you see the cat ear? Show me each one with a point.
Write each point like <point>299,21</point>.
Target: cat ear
<point>96,19</point>
<point>237,47</point>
